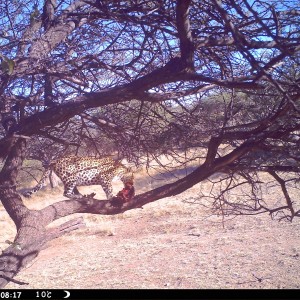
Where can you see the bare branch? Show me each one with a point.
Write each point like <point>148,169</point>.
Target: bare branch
<point>184,32</point>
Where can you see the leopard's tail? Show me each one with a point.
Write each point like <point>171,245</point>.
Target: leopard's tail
<point>40,184</point>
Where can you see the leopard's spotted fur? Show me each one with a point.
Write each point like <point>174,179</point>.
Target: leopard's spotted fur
<point>77,171</point>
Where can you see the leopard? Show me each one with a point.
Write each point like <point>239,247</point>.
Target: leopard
<point>77,171</point>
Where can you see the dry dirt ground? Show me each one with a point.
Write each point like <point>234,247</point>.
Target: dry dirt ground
<point>167,244</point>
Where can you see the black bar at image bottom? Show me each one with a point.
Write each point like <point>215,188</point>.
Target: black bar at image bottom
<point>42,294</point>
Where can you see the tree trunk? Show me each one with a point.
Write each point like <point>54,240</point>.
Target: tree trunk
<point>31,233</point>
<point>31,238</point>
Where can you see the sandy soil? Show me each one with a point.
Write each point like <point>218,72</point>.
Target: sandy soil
<point>168,244</point>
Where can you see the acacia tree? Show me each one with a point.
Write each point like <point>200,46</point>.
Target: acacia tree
<point>148,78</point>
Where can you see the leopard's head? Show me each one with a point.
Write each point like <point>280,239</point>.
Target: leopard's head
<point>128,177</point>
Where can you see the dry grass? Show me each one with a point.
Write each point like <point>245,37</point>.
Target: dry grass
<point>167,244</point>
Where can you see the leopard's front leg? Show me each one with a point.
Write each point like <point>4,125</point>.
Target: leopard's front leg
<point>71,191</point>
<point>107,188</point>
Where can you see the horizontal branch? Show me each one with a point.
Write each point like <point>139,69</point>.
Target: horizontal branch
<point>261,168</point>
<point>237,82</point>
<point>57,139</point>
<point>174,70</point>
<point>95,206</point>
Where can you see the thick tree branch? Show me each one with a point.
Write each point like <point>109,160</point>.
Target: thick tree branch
<point>9,198</point>
<point>184,32</point>
<point>48,13</point>
<point>91,205</point>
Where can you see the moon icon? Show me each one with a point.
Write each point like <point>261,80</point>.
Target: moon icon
<point>67,294</point>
